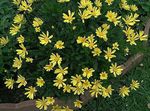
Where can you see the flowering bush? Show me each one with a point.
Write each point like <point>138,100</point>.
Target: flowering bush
<point>58,48</point>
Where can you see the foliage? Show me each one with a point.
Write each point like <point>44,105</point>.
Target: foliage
<point>75,56</point>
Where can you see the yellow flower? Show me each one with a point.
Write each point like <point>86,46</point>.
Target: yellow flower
<point>94,11</point>
<point>76,80</point>
<point>115,46</point>
<point>133,8</point>
<point>115,70</point>
<point>124,91</point>
<point>24,6</point>
<point>59,82</point>
<point>68,18</point>
<point>19,19</point>
<point>84,3</point>
<point>49,67</point>
<point>106,92</point>
<point>102,33</point>
<point>88,72</point>
<point>96,89</point>
<point>30,92</point>
<point>78,103</point>
<point>128,31</point>
<point>28,59</point>
<point>105,26</point>
<point>9,83</point>
<point>42,103</point>
<point>16,2</point>
<point>109,54</point>
<point>17,63</point>
<point>21,81</point>
<point>56,108</point>
<point>22,52</point>
<point>113,17</point>
<point>132,38</point>
<point>20,39</point>
<point>98,3</point>
<point>59,45</point>
<point>126,51</point>
<point>125,6</point>
<point>37,22</point>
<point>91,42</point>
<point>131,19</point>
<point>50,100</point>
<point>14,29</point>
<point>86,84</point>
<point>37,29</point>
<point>134,85</point>
<point>78,90</point>
<point>96,52</point>
<point>62,1</point>
<point>109,2</point>
<point>61,72</point>
<point>86,14</point>
<point>55,59</point>
<point>82,40</point>
<point>4,41</point>
<point>103,75</point>
<point>142,36</point>
<point>40,82</point>
<point>67,88</point>
<point>66,109</point>
<point>45,38</point>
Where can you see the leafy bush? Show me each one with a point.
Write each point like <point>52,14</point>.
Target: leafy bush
<point>63,48</point>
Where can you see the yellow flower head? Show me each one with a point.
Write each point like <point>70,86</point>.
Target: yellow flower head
<point>45,38</point>
<point>4,41</point>
<point>20,39</point>
<point>78,103</point>
<point>109,54</point>
<point>9,83</point>
<point>109,2</point>
<point>30,92</point>
<point>115,70</point>
<point>25,6</point>
<point>55,59</point>
<point>67,88</point>
<point>84,3</point>
<point>17,63</point>
<point>19,19</point>
<point>103,75</point>
<point>68,18</point>
<point>49,67</point>
<point>61,72</point>
<point>37,22</point>
<point>113,17</point>
<point>130,20</point>
<point>59,82</point>
<point>134,85</point>
<point>22,52</point>
<point>124,91</point>
<point>29,59</point>
<point>76,80</point>
<point>59,45</point>
<point>88,72</point>
<point>106,92</point>
<point>21,81</point>
<point>50,100</point>
<point>63,1</point>
<point>40,82</point>
<point>96,52</point>
<point>42,103</point>
<point>14,29</point>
